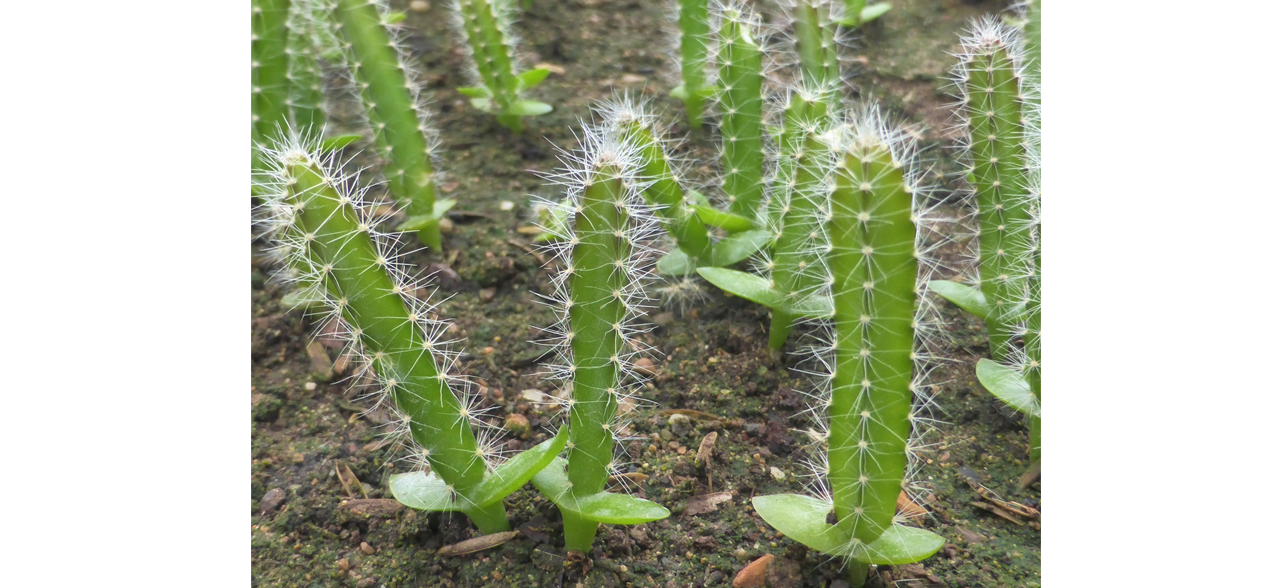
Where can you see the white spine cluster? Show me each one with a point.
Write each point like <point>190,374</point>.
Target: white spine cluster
<point>605,155</point>
<point>276,220</point>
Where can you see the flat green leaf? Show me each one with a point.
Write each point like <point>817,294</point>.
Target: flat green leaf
<point>749,286</point>
<point>804,519</point>
<point>476,92</point>
<point>513,474</point>
<point>306,300</point>
<point>817,306</point>
<point>423,492</point>
<point>675,263</point>
<point>604,507</point>
<point>900,545</point>
<point>531,78</point>
<point>715,217</point>
<point>422,221</point>
<point>966,297</point>
<point>485,104</point>
<point>1008,385</point>
<point>336,143</point>
<point>738,247</point>
<point>620,509</point>
<point>679,93</point>
<point>528,108</point>
<point>394,17</point>
<point>874,11</point>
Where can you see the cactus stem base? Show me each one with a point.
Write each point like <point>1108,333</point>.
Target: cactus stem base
<point>490,519</point>
<point>579,533</point>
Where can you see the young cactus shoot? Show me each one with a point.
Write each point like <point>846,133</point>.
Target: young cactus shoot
<point>329,240</point>
<point>695,31</point>
<point>604,262</point>
<point>741,103</point>
<point>877,357</point>
<point>486,29</point>
<point>389,88</point>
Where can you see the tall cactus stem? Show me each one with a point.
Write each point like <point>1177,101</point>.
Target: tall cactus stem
<point>695,31</point>
<point>991,71</point>
<point>398,120</point>
<point>741,105</point>
<point>328,230</point>
<point>270,69</point>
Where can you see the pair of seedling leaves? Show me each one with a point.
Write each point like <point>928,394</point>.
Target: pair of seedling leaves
<point>540,464</point>
<point>1001,380</point>
<point>744,238</point>
<point>804,519</point>
<point>482,97</point>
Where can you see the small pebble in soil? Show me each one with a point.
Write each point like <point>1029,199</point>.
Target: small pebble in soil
<point>419,6</point>
<point>310,386</point>
<point>366,548</point>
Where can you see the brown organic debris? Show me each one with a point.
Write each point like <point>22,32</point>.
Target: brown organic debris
<point>349,480</point>
<point>693,414</point>
<point>706,503</point>
<point>372,507</point>
<point>752,576</point>
<point>477,544</point>
<point>908,508</point>
<point>705,448</point>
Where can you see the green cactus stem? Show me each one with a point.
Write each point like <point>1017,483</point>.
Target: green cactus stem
<point>326,235</point>
<point>306,93</point>
<point>399,120</point>
<point>876,357</point>
<point>695,31</point>
<point>789,281</point>
<point>270,69</point>
<point>741,104</point>
<point>600,297</point>
<point>486,30</point>
<point>814,25</point>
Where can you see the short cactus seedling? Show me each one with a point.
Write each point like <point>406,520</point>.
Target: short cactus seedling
<point>877,359</point>
<point>375,56</point>
<point>817,39</point>
<point>604,261</point>
<point>329,241</point>
<point>486,30</point>
<point>684,212</point>
<point>858,12</point>
<point>788,280</point>
<point>270,68</point>
<point>695,32</point>
<point>999,113</point>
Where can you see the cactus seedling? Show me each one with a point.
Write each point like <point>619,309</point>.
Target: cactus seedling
<point>683,212</point>
<point>877,358</point>
<point>389,88</point>
<point>270,69</point>
<point>788,282</point>
<point>599,296</point>
<point>858,13</point>
<point>330,241</point>
<point>695,31</point>
<point>814,25</point>
<point>485,28</point>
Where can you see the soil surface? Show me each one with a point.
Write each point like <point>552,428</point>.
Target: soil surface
<point>321,514</point>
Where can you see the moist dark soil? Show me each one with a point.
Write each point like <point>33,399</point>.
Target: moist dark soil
<point>320,510</point>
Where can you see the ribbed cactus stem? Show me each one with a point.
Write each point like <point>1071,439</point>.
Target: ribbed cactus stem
<point>492,55</point>
<point>815,34</point>
<point>741,105</point>
<point>352,266</point>
<point>270,69</point>
<point>663,189</point>
<point>994,107</point>
<point>306,92</point>
<point>398,121</point>
<point>797,214</point>
<point>695,31</point>
<point>874,268</point>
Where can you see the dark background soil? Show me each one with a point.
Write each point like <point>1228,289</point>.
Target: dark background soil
<point>307,424</point>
